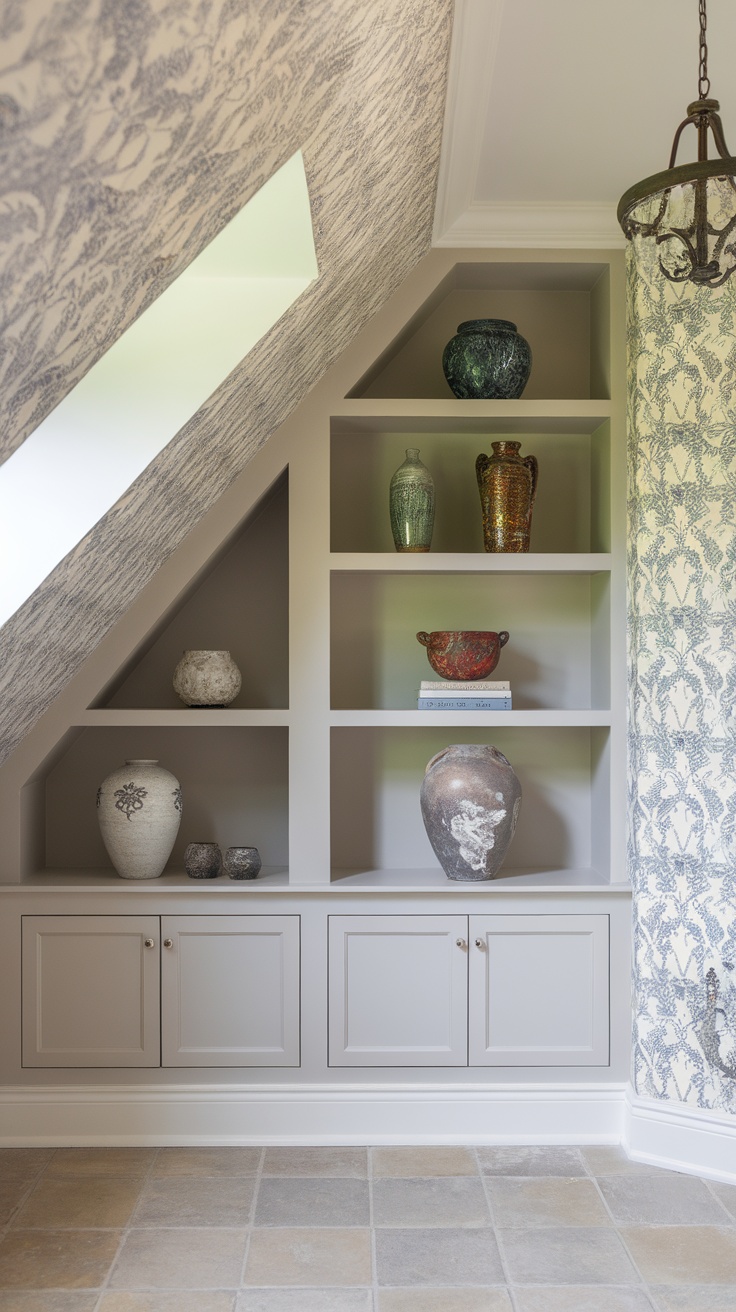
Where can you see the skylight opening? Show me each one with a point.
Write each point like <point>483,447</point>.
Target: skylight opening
<point>84,456</point>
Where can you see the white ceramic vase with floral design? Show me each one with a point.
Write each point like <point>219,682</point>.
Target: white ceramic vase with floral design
<point>139,810</point>
<point>207,679</point>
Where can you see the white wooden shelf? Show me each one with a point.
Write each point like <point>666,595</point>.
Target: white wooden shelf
<point>417,414</point>
<point>274,880</point>
<point>443,562</point>
<point>147,717</point>
<point>537,719</point>
<point>434,880</point>
<point>270,879</point>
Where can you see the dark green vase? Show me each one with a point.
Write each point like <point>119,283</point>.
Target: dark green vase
<point>411,504</point>
<point>487,360</point>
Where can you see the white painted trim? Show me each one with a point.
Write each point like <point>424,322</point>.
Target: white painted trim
<point>475,34</point>
<point>680,1138</point>
<point>538,224</point>
<point>111,1116</point>
<point>665,1134</point>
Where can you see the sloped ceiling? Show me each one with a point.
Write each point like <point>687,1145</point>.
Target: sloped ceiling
<point>130,133</point>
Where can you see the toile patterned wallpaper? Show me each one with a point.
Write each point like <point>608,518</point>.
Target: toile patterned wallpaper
<point>682,618</point>
<point>131,131</point>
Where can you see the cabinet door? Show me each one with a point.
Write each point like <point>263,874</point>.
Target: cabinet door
<point>230,990</point>
<point>398,990</point>
<point>91,991</point>
<point>538,991</point>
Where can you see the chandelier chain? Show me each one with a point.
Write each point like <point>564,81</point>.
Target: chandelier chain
<point>703,79</point>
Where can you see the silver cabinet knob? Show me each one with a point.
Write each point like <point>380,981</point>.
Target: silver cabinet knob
<point>168,942</point>
<point>149,943</point>
<point>480,944</point>
<point>461,942</point>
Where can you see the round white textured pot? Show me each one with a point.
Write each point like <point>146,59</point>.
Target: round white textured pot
<point>207,678</point>
<point>139,809</point>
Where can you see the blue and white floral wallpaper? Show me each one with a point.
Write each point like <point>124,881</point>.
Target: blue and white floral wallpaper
<point>131,131</point>
<point>682,623</point>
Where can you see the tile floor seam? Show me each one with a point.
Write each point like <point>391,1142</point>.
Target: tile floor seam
<point>254,1204</point>
<point>28,1192</point>
<point>375,1293</point>
<point>709,1185</point>
<point>502,1256</point>
<point>622,1241</point>
<point>145,1177</point>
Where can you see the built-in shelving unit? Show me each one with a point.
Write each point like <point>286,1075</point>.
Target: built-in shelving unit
<point>319,760</point>
<point>364,953</point>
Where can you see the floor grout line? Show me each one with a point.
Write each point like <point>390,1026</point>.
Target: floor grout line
<point>499,1242</point>
<point>375,1292</point>
<point>251,1224</point>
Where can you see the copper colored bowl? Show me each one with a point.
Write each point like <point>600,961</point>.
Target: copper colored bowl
<point>463,654</point>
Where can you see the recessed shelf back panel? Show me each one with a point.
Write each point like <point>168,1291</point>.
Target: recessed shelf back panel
<point>377,776</point>
<point>240,606</point>
<point>562,319</point>
<point>234,784</point>
<point>571,511</point>
<point>558,625</point>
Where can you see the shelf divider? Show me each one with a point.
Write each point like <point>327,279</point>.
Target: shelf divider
<point>411,719</point>
<point>443,562</point>
<point>152,717</point>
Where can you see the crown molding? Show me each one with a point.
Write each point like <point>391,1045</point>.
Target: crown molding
<point>459,219</point>
<point>475,34</point>
<point>546,225</point>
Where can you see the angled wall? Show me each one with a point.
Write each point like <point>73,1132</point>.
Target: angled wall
<point>131,136</point>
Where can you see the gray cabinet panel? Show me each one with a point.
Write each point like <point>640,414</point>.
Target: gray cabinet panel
<point>398,991</point>
<point>539,990</point>
<point>90,991</point>
<point>230,991</point>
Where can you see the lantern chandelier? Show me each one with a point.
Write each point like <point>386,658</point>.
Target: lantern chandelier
<point>690,209</point>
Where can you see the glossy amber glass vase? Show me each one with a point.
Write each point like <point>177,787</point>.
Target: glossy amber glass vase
<point>508,486</point>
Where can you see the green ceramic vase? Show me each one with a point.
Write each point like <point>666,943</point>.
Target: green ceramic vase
<point>411,504</point>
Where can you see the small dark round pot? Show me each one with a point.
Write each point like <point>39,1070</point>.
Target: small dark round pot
<point>487,360</point>
<point>464,654</point>
<point>203,860</point>
<point>242,862</point>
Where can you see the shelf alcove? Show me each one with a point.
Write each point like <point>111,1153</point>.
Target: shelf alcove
<point>239,604</point>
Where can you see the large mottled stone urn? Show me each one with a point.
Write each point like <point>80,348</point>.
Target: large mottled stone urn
<point>470,799</point>
<point>139,810</point>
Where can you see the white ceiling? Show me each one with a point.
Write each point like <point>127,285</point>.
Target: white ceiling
<point>555,107</point>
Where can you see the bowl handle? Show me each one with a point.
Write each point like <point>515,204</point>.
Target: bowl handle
<point>503,638</point>
<point>425,639</point>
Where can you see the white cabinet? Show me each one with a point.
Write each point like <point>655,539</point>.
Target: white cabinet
<point>496,990</point>
<point>538,990</point>
<point>91,991</point>
<point>398,990</point>
<point>102,991</point>
<point>230,991</point>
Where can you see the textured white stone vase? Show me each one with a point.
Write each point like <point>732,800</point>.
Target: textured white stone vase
<point>207,679</point>
<point>470,799</point>
<point>139,809</point>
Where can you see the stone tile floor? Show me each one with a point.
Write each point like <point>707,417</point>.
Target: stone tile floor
<point>448,1229</point>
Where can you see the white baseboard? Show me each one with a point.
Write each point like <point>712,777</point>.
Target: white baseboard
<point>670,1135</point>
<point>310,1114</point>
<point>680,1138</point>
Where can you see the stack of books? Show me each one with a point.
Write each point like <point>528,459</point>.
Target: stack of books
<point>450,695</point>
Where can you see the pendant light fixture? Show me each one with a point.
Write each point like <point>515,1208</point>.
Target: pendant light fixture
<point>690,209</point>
